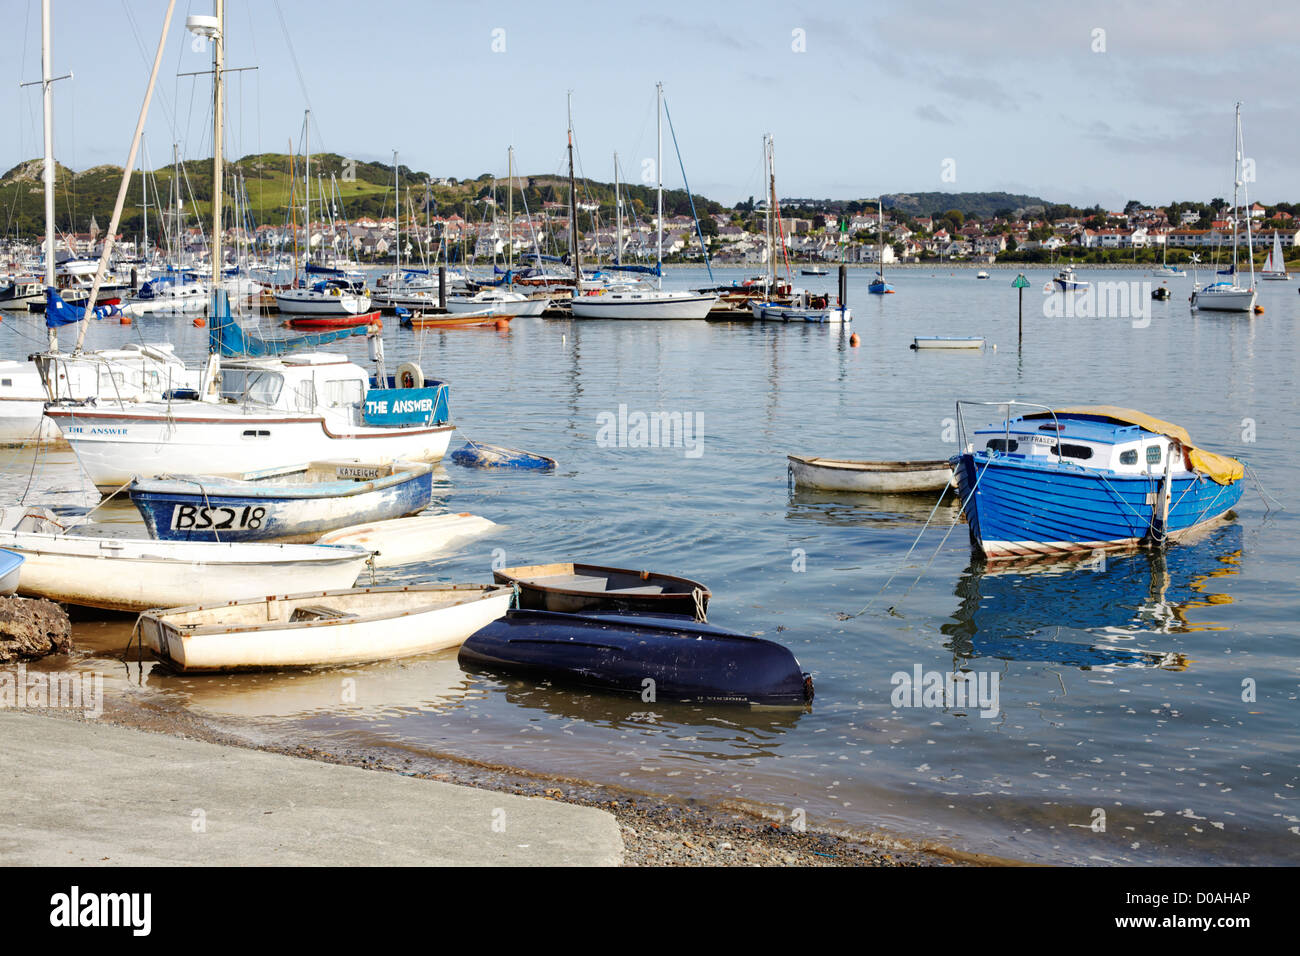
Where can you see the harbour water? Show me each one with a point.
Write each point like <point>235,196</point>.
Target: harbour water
<point>1146,705</point>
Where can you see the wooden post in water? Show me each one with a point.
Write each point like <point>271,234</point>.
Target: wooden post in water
<point>442,288</point>
<point>844,285</point>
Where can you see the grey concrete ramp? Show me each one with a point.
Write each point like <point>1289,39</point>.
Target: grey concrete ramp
<point>79,793</point>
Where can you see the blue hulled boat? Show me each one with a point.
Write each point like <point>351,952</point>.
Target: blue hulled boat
<point>1093,478</point>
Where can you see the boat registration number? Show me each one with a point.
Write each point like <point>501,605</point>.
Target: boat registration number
<point>221,518</point>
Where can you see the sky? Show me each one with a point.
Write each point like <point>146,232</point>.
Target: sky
<point>1087,103</point>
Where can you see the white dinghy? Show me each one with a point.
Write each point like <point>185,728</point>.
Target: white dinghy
<point>133,574</point>
<point>877,477</point>
<point>408,540</point>
<point>322,628</point>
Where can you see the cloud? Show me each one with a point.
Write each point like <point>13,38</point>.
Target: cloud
<point>932,114</point>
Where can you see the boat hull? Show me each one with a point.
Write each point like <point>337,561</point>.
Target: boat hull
<point>207,509</point>
<point>769,312</point>
<point>376,624</point>
<point>115,446</point>
<point>123,574</point>
<point>578,588</point>
<point>407,540</point>
<point>305,302</point>
<point>1020,509</point>
<point>680,660</point>
<point>1236,300</point>
<point>871,477</point>
<point>610,307</point>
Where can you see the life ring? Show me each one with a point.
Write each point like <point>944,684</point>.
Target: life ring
<point>409,375</point>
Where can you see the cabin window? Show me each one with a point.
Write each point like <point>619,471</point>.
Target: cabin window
<point>306,395</point>
<point>1154,454</point>
<point>6,382</point>
<point>1004,445</point>
<point>251,384</point>
<point>1081,452</point>
<point>344,392</point>
<point>1129,457</point>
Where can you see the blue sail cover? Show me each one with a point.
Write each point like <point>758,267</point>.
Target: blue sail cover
<point>654,270</point>
<point>59,313</point>
<point>315,270</point>
<point>230,340</point>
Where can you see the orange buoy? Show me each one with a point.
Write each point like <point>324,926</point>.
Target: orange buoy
<point>1259,310</point>
<point>853,340</point>
<point>200,322</point>
<point>124,320</point>
<point>503,325</point>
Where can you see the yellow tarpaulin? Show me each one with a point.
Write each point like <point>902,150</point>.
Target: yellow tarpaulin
<point>1221,468</point>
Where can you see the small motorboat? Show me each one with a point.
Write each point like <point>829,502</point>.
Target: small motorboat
<point>981,274</point>
<point>321,628</point>
<point>813,271</point>
<point>1066,281</point>
<point>947,342</point>
<point>286,504</point>
<point>875,477</point>
<point>135,574</point>
<point>465,320</point>
<point>1092,478</point>
<point>11,566</point>
<point>674,659</point>
<point>408,540</point>
<point>475,455</point>
<point>336,321</point>
<point>1161,293</point>
<point>572,588</point>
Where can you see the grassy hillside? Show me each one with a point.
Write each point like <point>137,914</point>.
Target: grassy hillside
<point>367,192</point>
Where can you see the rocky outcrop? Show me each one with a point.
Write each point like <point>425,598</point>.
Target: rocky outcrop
<point>31,628</point>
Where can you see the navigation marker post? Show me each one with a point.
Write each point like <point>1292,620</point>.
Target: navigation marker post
<point>1021,284</point>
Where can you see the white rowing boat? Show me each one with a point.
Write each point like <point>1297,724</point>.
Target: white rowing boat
<point>322,628</point>
<point>948,342</point>
<point>408,540</point>
<point>878,477</point>
<point>133,574</point>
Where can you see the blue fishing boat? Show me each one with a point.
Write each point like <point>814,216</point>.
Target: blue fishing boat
<point>680,659</point>
<point>284,504</point>
<point>1053,482</point>
<point>878,286</point>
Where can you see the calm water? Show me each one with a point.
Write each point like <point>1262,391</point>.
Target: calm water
<point>1121,688</point>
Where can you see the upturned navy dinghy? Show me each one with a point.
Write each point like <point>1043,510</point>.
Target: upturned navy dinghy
<point>687,661</point>
<point>475,455</point>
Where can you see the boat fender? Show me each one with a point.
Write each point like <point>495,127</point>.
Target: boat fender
<point>410,375</point>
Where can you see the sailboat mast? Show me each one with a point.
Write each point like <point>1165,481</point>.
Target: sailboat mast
<point>618,217</point>
<point>659,172</point>
<point>47,97</point>
<point>510,208</point>
<point>306,185</point>
<point>770,160</point>
<point>574,252</point>
<point>397,213</point>
<point>1250,246</point>
<point>218,65</point>
<point>880,232</point>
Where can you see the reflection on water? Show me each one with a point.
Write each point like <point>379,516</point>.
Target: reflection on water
<point>1120,598</point>
<point>854,509</point>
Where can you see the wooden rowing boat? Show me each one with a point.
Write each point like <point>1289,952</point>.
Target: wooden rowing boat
<point>423,320</point>
<point>571,588</point>
<point>947,342</point>
<point>321,628</point>
<point>336,321</point>
<point>879,477</point>
<point>134,574</point>
<point>297,504</point>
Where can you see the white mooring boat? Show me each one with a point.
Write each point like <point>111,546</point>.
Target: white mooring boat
<point>133,574</point>
<point>322,628</point>
<point>875,477</point>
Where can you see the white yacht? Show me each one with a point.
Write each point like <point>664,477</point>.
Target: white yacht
<point>1229,295</point>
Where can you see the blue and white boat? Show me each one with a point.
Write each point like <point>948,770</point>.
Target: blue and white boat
<point>1053,482</point>
<point>878,285</point>
<point>11,566</point>
<point>803,307</point>
<point>298,504</point>
<point>1065,281</point>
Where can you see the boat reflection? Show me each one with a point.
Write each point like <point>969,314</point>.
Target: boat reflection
<point>858,509</point>
<point>434,683</point>
<point>725,733</point>
<point>1006,608</point>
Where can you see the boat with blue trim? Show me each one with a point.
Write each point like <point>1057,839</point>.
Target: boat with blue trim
<point>284,504</point>
<point>1091,478</point>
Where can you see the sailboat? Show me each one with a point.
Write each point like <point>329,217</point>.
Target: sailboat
<point>1166,271</point>
<point>878,285</point>
<point>1229,296</point>
<point>1275,264</point>
<point>635,303</point>
<point>257,408</point>
<point>335,292</point>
